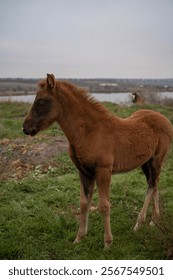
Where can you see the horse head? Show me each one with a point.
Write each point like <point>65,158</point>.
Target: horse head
<point>42,112</point>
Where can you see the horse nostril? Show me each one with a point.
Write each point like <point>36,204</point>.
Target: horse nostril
<point>25,131</point>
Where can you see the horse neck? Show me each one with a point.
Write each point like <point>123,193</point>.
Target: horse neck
<point>72,116</point>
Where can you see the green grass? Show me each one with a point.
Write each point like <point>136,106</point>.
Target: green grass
<point>11,119</point>
<point>39,215</point>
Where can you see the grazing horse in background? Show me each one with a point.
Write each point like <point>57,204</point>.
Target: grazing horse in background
<point>137,99</point>
<point>102,144</point>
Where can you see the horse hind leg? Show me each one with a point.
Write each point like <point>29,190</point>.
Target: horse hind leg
<point>151,170</point>
<point>156,211</point>
<point>142,214</point>
<point>86,192</point>
<point>146,169</point>
<point>156,166</point>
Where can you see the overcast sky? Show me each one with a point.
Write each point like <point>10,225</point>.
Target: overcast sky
<point>86,38</point>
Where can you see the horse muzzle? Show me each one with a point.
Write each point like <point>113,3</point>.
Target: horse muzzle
<point>29,130</point>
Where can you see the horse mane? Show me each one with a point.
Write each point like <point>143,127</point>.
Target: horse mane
<point>80,95</point>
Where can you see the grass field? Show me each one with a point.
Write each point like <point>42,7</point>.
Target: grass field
<point>39,211</point>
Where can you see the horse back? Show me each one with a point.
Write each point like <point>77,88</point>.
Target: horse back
<point>154,120</point>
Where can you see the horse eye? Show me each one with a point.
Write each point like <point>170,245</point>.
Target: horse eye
<point>41,103</point>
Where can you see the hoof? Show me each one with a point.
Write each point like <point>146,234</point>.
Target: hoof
<point>107,244</point>
<point>136,227</point>
<point>152,223</point>
<point>76,241</point>
<point>155,223</point>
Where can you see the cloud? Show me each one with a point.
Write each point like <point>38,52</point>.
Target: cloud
<point>87,38</point>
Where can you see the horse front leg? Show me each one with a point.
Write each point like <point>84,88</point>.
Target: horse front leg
<point>103,178</point>
<point>86,192</point>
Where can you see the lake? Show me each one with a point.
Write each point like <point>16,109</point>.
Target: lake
<point>119,98</point>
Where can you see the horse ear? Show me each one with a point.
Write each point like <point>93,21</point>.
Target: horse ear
<point>50,81</point>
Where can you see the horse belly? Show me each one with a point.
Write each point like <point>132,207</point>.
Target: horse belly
<point>127,165</point>
<point>130,157</point>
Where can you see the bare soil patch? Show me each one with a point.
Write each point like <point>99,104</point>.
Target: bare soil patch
<point>21,155</point>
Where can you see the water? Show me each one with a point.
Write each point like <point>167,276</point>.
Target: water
<point>18,98</point>
<point>109,97</point>
<point>166,94</point>
<point>119,98</point>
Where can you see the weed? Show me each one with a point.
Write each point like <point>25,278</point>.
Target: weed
<point>39,214</point>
